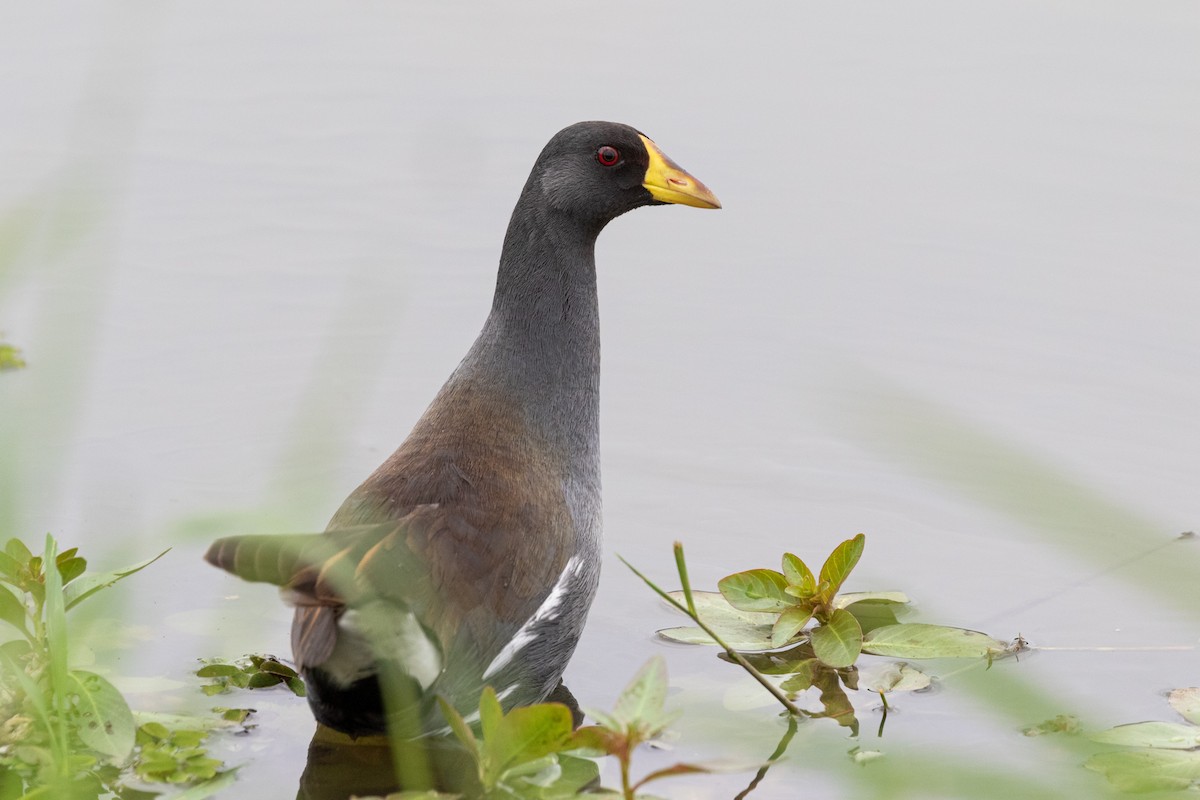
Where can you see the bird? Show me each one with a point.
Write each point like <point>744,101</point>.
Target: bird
<point>471,556</point>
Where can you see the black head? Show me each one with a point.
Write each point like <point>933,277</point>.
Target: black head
<point>599,170</point>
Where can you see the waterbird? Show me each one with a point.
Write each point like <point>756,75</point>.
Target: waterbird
<point>471,556</point>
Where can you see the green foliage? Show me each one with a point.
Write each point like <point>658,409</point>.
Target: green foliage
<point>761,609</point>
<point>68,732</point>
<point>522,753</point>
<point>248,672</point>
<point>1161,755</point>
<point>794,623</point>
<point>10,357</point>
<point>639,716</point>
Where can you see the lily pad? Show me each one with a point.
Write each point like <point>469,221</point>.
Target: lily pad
<point>921,640</point>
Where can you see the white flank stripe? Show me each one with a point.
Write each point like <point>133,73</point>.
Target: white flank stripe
<point>546,611</point>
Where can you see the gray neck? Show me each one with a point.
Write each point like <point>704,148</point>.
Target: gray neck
<point>541,342</point>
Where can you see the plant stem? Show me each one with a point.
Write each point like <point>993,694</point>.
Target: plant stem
<point>681,565</point>
<point>733,654</point>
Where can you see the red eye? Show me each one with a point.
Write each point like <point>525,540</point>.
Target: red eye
<point>608,155</point>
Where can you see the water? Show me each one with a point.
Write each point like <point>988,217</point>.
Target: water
<point>268,237</point>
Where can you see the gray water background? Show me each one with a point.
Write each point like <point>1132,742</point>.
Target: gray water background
<point>252,242</point>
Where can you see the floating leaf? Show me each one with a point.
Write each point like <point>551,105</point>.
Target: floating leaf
<point>1186,702</point>
<point>104,721</point>
<point>1063,723</point>
<point>847,599</point>
<point>1147,770</point>
<point>760,590</point>
<point>217,671</point>
<point>789,624</point>
<point>921,640</point>
<point>894,677</point>
<point>860,756</point>
<point>838,642</point>
<point>1166,735</point>
<point>872,614</point>
<point>741,630</point>
<point>841,561</point>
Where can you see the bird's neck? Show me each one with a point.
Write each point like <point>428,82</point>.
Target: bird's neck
<point>540,345</point>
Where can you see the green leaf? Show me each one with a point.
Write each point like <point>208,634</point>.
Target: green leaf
<point>103,719</point>
<point>894,677</point>
<point>10,568</point>
<point>759,590</point>
<point>1186,702</point>
<point>462,731</point>
<point>1165,735</point>
<point>263,680</point>
<point>87,585</point>
<point>921,640</point>
<point>872,614</point>
<point>838,642</point>
<point>1148,770</point>
<point>797,573</point>
<point>12,610</point>
<point>490,713</point>
<point>217,671</point>
<point>528,733</point>
<point>645,696</point>
<point>576,774</point>
<point>741,630</point>
<point>789,624</point>
<point>838,566</point>
<point>209,788</point>
<point>603,739</point>
<point>17,550</point>
<point>71,568</point>
<point>847,599</point>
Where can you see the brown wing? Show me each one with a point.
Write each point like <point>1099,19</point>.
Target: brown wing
<point>481,530</point>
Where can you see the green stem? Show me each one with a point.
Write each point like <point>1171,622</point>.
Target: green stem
<point>681,565</point>
<point>733,654</point>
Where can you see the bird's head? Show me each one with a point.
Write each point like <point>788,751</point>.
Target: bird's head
<point>600,170</point>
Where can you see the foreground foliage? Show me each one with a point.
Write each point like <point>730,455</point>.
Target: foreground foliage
<point>67,732</point>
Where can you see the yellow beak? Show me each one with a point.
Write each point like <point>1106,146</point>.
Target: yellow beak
<point>667,182</point>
